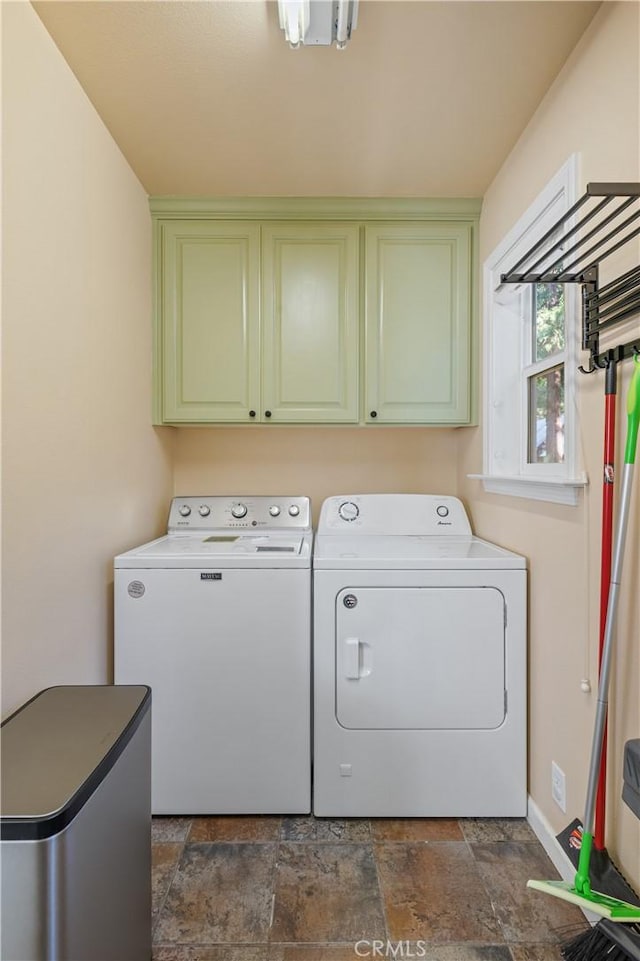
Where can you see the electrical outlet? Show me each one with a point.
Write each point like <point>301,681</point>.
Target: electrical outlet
<point>558,787</point>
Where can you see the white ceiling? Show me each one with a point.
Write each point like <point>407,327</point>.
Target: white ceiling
<point>206,98</point>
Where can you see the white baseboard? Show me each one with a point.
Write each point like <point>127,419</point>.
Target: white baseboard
<point>547,838</point>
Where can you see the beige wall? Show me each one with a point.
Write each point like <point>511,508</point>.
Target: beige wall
<point>594,109</point>
<point>85,475</point>
<point>317,462</point>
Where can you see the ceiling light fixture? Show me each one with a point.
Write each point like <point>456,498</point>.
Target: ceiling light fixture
<point>318,22</point>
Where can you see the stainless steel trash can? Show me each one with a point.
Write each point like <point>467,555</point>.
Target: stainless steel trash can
<point>76,826</point>
<point>631,774</point>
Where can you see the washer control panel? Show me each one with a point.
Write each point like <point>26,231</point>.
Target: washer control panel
<point>402,514</point>
<point>239,513</point>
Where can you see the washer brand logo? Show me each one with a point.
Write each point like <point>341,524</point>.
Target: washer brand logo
<point>209,576</point>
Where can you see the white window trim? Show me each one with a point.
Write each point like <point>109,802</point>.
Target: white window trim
<point>558,483</point>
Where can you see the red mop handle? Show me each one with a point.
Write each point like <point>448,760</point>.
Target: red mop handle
<point>605,576</point>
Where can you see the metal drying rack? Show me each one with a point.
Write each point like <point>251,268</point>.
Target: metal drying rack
<point>609,219</point>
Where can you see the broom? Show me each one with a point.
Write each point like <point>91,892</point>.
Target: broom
<point>603,873</point>
<point>581,892</point>
<point>606,940</point>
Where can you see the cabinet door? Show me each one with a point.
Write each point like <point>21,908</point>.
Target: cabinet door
<point>210,321</point>
<point>310,323</point>
<point>418,311</point>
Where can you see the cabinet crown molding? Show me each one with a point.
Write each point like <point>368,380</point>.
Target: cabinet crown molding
<point>316,208</point>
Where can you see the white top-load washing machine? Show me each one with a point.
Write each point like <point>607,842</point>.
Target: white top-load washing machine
<point>216,618</point>
<point>419,662</point>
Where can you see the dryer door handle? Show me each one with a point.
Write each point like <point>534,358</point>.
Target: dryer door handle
<point>352,658</point>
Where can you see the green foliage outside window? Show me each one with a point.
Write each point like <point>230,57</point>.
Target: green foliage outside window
<point>549,323</point>
<point>546,432</point>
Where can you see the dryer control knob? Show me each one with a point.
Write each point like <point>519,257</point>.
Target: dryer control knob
<point>442,510</point>
<point>274,511</point>
<point>239,510</point>
<point>294,510</point>
<point>185,510</point>
<point>349,511</point>
<point>204,510</point>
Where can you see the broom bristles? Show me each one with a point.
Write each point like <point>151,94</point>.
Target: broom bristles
<point>597,944</point>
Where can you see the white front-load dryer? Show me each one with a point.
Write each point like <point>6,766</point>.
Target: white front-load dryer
<point>419,663</point>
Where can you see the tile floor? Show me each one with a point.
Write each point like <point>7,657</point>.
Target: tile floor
<point>301,889</point>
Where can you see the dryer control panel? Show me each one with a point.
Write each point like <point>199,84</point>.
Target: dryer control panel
<point>401,514</point>
<point>244,512</point>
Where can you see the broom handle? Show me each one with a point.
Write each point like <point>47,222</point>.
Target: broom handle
<point>608,478</point>
<point>633,411</point>
<point>605,664</point>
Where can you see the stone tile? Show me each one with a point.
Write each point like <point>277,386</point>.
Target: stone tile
<point>164,860</point>
<point>433,892</point>
<point>415,829</point>
<point>209,952</point>
<point>325,829</point>
<point>536,952</point>
<point>466,952</point>
<point>170,829</point>
<point>459,952</point>
<point>220,893</point>
<point>386,950</point>
<point>478,830</point>
<point>313,952</point>
<point>326,892</point>
<point>526,916</point>
<point>235,829</point>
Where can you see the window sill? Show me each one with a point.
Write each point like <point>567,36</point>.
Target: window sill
<point>554,490</point>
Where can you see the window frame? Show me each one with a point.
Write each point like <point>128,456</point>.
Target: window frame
<point>508,358</point>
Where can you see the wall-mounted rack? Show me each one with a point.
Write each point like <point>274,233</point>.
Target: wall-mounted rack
<point>602,221</point>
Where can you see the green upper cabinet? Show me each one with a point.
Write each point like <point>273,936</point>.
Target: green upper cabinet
<point>310,324</point>
<point>418,323</point>
<point>209,331</point>
<point>314,310</point>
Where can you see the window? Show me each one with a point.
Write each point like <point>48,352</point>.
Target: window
<point>531,337</point>
<point>545,375</point>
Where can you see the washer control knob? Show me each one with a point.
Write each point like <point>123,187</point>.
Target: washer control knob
<point>185,510</point>
<point>349,511</point>
<point>294,510</point>
<point>442,510</point>
<point>239,510</point>
<point>204,510</point>
<point>274,511</point>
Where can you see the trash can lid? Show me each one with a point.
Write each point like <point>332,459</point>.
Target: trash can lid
<point>57,748</point>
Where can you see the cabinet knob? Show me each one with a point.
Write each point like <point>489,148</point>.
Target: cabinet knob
<point>374,413</point>
<point>252,413</point>
<point>267,413</point>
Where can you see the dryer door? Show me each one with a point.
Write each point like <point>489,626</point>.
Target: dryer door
<point>420,658</point>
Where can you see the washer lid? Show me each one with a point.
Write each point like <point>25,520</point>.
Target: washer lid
<point>220,549</point>
<point>407,552</point>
